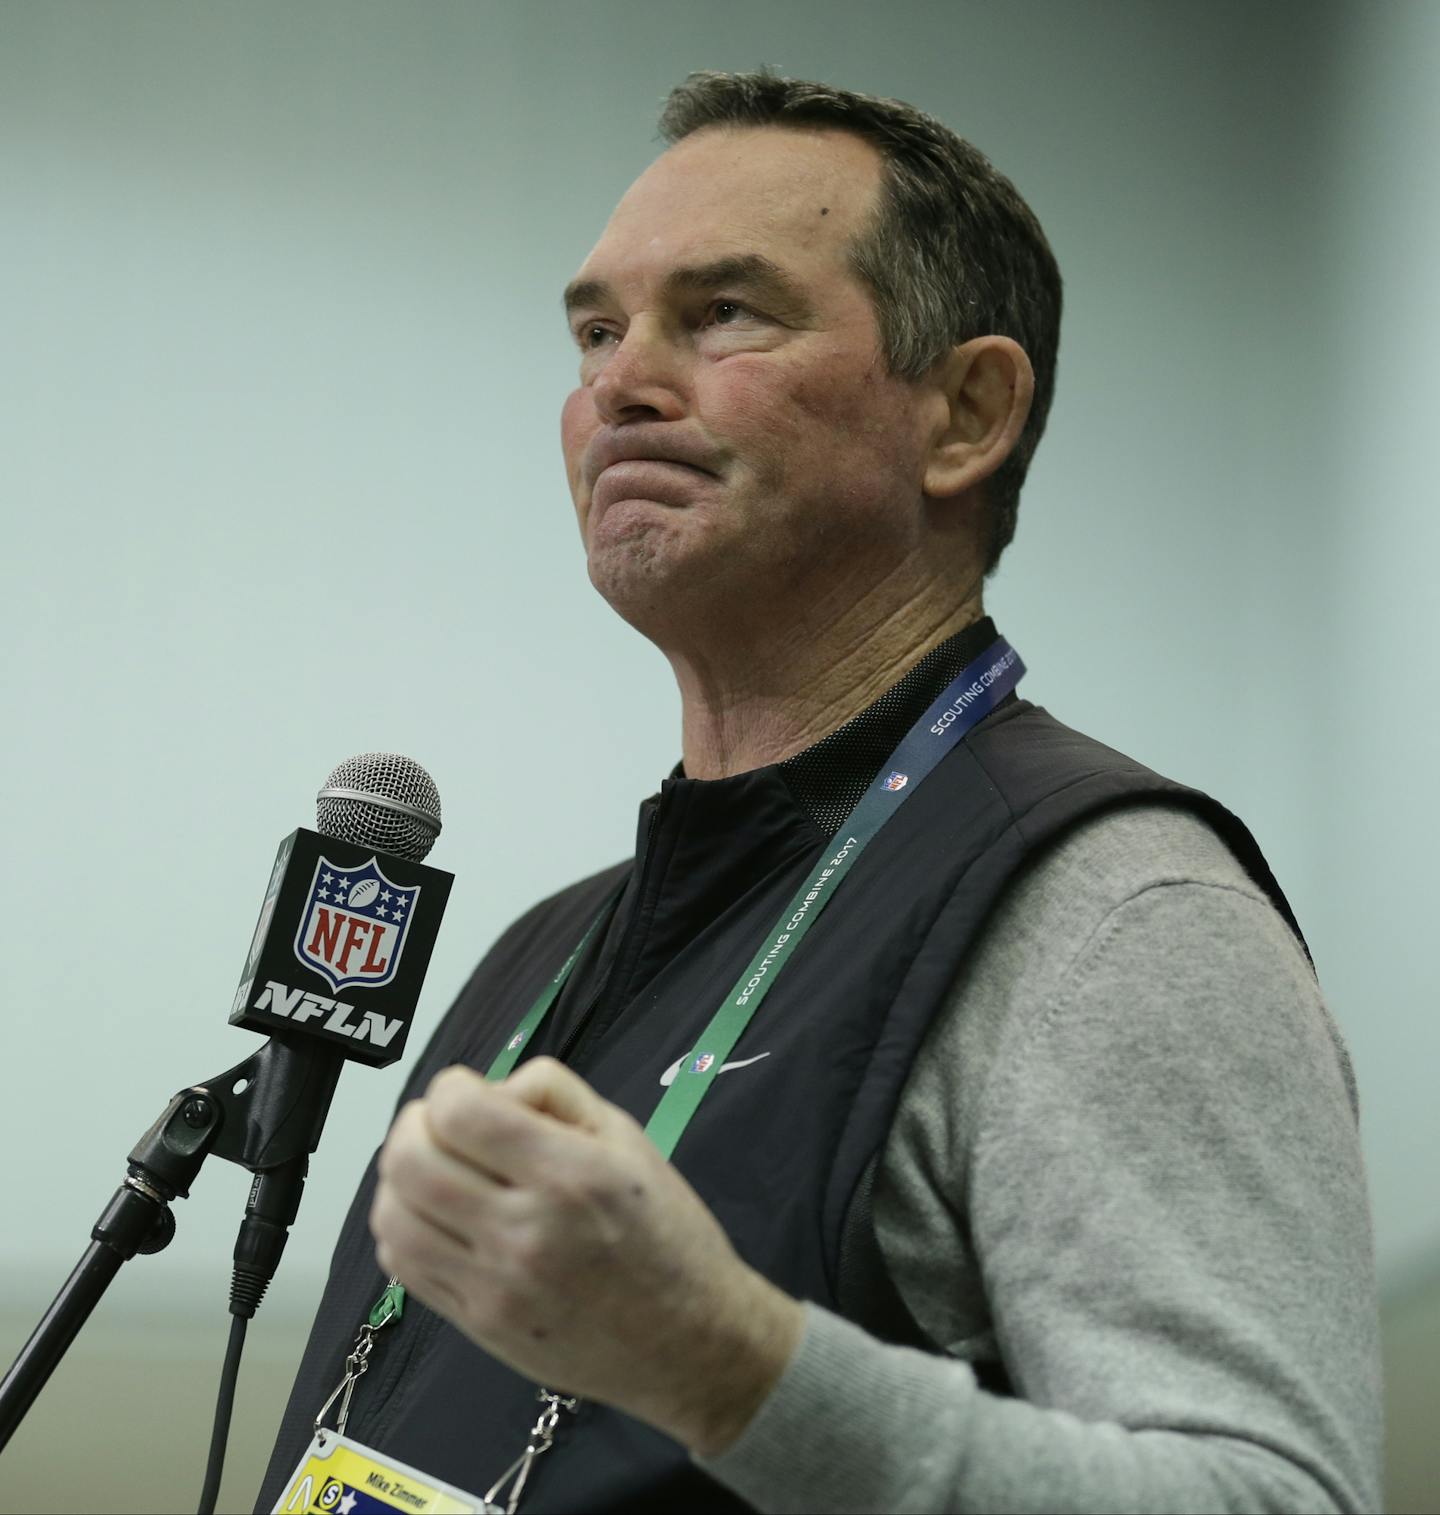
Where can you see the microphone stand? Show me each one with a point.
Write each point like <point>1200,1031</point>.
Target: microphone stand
<point>266,1114</point>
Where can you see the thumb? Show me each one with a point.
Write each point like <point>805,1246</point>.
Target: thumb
<point>552,1089</point>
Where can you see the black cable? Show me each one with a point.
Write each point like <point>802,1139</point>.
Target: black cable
<point>269,1212</point>
<point>220,1435</point>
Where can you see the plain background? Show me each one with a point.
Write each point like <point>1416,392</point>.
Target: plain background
<point>281,361</point>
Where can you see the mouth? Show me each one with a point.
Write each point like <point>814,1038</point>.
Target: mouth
<point>661,480</point>
<point>655,462</point>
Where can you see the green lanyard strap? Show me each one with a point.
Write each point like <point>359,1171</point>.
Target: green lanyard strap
<point>510,1052</point>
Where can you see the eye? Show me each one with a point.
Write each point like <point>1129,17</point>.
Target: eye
<point>727,313</point>
<point>592,335</point>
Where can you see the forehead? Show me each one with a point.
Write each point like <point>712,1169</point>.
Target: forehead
<point>797,195</point>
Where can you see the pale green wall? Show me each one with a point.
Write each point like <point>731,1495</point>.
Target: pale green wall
<point>280,366</point>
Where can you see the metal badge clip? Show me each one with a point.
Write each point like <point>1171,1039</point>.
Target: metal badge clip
<point>542,1438</point>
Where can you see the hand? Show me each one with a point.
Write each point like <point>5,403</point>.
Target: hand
<point>539,1219</point>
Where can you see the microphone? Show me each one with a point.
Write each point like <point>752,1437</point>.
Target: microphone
<point>381,800</point>
<point>350,909</point>
<point>334,971</point>
<point>350,915</point>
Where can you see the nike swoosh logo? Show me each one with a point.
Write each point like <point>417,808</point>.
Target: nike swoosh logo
<point>669,1076</point>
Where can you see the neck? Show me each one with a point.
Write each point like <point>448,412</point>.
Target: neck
<point>748,702</point>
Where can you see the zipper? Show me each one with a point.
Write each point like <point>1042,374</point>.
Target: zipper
<point>575,1041</point>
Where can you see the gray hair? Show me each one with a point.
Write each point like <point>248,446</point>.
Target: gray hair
<point>953,253</point>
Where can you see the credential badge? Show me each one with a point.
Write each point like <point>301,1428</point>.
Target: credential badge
<point>354,925</point>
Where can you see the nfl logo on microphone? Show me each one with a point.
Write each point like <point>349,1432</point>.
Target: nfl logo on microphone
<point>341,924</point>
<point>354,924</point>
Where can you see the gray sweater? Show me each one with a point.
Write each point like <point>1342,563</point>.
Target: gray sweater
<point>1127,1162</point>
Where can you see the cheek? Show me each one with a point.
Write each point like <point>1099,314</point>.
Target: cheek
<point>813,425</point>
<point>752,405</point>
<point>578,423</point>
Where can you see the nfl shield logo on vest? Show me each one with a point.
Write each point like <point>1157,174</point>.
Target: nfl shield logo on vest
<point>353,925</point>
<point>702,1062</point>
<point>897,781</point>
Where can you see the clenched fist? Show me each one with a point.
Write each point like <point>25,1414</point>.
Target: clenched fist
<point>539,1219</point>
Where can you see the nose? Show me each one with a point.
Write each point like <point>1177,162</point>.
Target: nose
<point>643,379</point>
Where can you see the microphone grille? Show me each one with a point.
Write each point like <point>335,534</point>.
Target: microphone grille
<point>381,800</point>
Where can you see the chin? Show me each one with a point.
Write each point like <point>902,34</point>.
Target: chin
<point>646,565</point>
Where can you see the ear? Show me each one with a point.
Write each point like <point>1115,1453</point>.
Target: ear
<point>988,385</point>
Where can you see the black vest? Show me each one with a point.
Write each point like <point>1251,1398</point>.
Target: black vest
<point>780,1150</point>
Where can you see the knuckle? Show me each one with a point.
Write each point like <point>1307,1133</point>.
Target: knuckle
<point>412,1112</point>
<point>450,1112</point>
<point>397,1166</point>
<point>386,1162</point>
<point>382,1218</point>
<point>438,1192</point>
<point>448,1078</point>
<point>421,1179</point>
<point>401,1138</point>
<point>450,1092</point>
<point>536,1073</point>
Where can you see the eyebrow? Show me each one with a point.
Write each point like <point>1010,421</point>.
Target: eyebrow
<point>751,271</point>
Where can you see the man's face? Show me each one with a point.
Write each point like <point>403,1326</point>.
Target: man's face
<point>734,433</point>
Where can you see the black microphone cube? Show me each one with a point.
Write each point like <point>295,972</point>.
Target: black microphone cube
<point>341,947</point>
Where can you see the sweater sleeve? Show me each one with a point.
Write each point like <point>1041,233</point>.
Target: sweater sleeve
<point>1154,1188</point>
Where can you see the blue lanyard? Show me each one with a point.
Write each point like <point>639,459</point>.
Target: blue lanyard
<point>973,694</point>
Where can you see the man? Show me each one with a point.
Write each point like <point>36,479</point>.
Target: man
<point>1034,1181</point>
